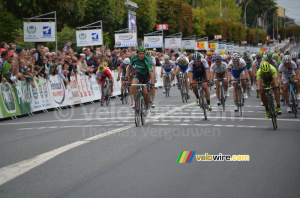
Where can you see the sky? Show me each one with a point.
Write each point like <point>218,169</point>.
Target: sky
<point>292,8</point>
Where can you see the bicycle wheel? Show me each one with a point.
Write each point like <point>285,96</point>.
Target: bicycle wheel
<point>183,90</point>
<point>294,106</point>
<point>203,104</point>
<point>168,86</point>
<point>248,91</point>
<point>137,115</point>
<point>222,97</point>
<point>125,96</point>
<point>272,111</point>
<point>142,110</point>
<point>240,101</point>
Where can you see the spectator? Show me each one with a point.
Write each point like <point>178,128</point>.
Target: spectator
<point>68,46</point>
<point>82,64</point>
<point>39,55</point>
<point>4,57</point>
<point>17,57</point>
<point>4,46</point>
<point>13,46</point>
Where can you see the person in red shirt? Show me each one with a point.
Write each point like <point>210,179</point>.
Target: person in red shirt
<point>208,58</point>
<point>103,73</point>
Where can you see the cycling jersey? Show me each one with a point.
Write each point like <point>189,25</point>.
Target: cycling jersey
<point>199,71</point>
<point>219,70</point>
<point>249,62</point>
<point>153,61</point>
<point>123,67</point>
<point>267,79</point>
<point>143,66</point>
<point>104,75</point>
<point>297,63</point>
<point>209,61</point>
<point>183,65</point>
<point>257,64</point>
<point>168,66</point>
<point>236,71</point>
<point>287,72</point>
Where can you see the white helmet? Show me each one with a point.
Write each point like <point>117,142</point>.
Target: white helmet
<point>224,56</point>
<point>253,55</point>
<point>182,57</point>
<point>235,56</point>
<point>294,55</point>
<point>126,61</point>
<point>286,59</point>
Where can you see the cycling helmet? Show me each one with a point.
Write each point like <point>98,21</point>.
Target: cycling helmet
<point>294,55</point>
<point>182,57</point>
<point>140,49</point>
<point>253,55</point>
<point>218,58</point>
<point>245,54</point>
<point>217,53</point>
<point>258,56</point>
<point>166,57</point>
<point>208,53</point>
<point>148,54</point>
<point>196,56</point>
<point>286,59</point>
<point>274,55</point>
<point>126,61</point>
<point>265,67</point>
<point>224,56</point>
<point>223,52</point>
<point>101,68</point>
<point>235,56</point>
<point>269,56</point>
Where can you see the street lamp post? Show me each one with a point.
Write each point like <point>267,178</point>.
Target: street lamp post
<point>265,16</point>
<point>246,13</point>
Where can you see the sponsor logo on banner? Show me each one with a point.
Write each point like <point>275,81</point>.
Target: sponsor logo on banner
<point>8,98</point>
<point>146,44</point>
<point>58,91</point>
<point>46,31</point>
<point>125,37</point>
<point>82,36</point>
<point>34,90</point>
<point>201,45</point>
<point>154,39</point>
<point>212,46</point>
<point>188,44</point>
<point>95,37</point>
<point>31,29</point>
<point>118,43</point>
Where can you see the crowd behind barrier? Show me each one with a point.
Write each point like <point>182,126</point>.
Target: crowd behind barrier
<point>41,94</point>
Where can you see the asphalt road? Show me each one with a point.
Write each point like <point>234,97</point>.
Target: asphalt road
<point>95,151</point>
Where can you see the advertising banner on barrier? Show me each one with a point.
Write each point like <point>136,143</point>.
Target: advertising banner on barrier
<point>212,46</point>
<point>202,45</point>
<point>153,41</point>
<point>172,43</point>
<point>222,46</point>
<point>39,31</point>
<point>57,91</point>
<point>84,88</point>
<point>126,40</point>
<point>229,48</point>
<point>188,44</point>
<point>8,102</point>
<point>23,96</point>
<point>36,99</point>
<point>45,95</point>
<point>117,84</point>
<point>95,88</point>
<point>73,93</point>
<point>89,37</point>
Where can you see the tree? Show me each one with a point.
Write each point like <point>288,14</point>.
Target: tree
<point>199,22</point>
<point>8,25</point>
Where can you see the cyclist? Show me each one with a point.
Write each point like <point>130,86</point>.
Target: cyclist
<point>182,64</point>
<point>267,75</point>
<point>167,68</point>
<point>122,70</point>
<point>144,75</point>
<point>101,75</point>
<point>277,60</point>
<point>199,70</point>
<point>237,69</point>
<point>249,62</point>
<point>153,63</point>
<point>294,56</point>
<point>257,63</point>
<point>253,57</point>
<point>225,58</point>
<point>209,58</point>
<point>288,69</point>
<point>219,70</point>
<point>269,59</point>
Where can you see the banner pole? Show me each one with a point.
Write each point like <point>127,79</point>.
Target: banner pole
<point>55,32</point>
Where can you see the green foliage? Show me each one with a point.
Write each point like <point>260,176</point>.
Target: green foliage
<point>199,21</point>
<point>65,35</point>
<point>8,26</point>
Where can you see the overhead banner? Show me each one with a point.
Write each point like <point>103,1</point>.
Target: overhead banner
<point>132,21</point>
<point>172,43</point>
<point>126,40</point>
<point>202,45</point>
<point>89,37</point>
<point>188,44</point>
<point>39,31</point>
<point>153,41</point>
